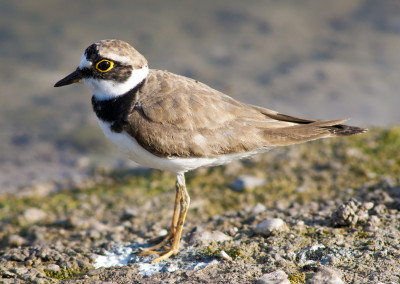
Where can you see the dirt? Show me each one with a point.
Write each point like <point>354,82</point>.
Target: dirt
<point>317,60</point>
<point>337,202</point>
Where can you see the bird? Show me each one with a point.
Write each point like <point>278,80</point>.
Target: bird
<point>173,123</point>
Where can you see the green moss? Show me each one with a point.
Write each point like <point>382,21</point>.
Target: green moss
<point>64,274</point>
<point>380,147</point>
<point>297,278</point>
<point>214,249</point>
<point>243,251</point>
<point>363,235</point>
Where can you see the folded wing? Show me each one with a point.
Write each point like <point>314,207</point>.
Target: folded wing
<point>179,117</point>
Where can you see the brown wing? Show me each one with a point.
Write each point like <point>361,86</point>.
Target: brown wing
<point>180,117</point>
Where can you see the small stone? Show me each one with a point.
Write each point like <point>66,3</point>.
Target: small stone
<point>39,190</point>
<point>249,182</point>
<point>326,275</point>
<point>33,215</point>
<point>331,259</point>
<point>38,233</point>
<point>224,255</point>
<point>372,224</point>
<point>291,256</point>
<point>259,208</point>
<point>170,267</point>
<point>383,253</point>
<point>53,268</point>
<point>312,254</point>
<point>351,213</point>
<point>82,162</point>
<point>208,236</point>
<point>162,232</point>
<point>380,209</point>
<point>20,270</point>
<point>270,226</point>
<point>33,275</point>
<point>99,226</point>
<point>276,277</point>
<point>94,234</point>
<point>18,255</point>
<point>5,274</point>
<point>368,205</point>
<point>15,241</point>
<point>302,188</point>
<point>129,213</point>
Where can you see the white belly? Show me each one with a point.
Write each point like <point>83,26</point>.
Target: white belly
<point>137,153</point>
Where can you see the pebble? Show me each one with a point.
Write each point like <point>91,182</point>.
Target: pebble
<point>326,275</point>
<point>351,213</point>
<point>94,234</point>
<point>170,267</point>
<point>224,256</point>
<point>129,213</point>
<point>29,274</point>
<point>372,224</point>
<point>15,240</point>
<point>33,215</point>
<point>311,254</point>
<point>209,236</point>
<point>247,182</point>
<point>276,277</point>
<point>83,162</point>
<point>39,190</point>
<point>17,255</point>
<point>163,232</point>
<point>270,226</point>
<point>259,208</point>
<point>53,268</point>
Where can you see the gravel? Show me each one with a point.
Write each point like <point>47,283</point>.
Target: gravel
<point>335,231</point>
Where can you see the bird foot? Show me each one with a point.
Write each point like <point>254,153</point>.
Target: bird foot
<point>167,254</point>
<point>161,249</point>
<point>160,246</point>
<point>152,251</point>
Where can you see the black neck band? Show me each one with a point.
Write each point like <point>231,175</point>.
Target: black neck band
<point>116,110</point>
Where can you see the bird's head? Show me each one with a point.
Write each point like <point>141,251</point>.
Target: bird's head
<point>110,67</point>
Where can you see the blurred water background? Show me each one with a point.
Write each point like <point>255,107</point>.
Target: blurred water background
<point>310,58</point>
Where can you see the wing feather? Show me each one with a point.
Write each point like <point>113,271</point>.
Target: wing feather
<point>181,117</point>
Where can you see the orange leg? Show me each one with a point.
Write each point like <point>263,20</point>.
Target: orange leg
<point>184,206</point>
<point>181,206</point>
<point>171,234</point>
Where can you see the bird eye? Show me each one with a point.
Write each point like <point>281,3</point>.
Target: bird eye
<point>104,65</point>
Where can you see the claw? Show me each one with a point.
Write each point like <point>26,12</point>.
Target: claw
<point>166,255</point>
<point>152,251</point>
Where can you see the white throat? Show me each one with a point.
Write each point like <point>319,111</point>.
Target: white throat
<point>108,89</point>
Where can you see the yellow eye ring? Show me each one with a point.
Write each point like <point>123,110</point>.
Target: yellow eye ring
<point>104,65</point>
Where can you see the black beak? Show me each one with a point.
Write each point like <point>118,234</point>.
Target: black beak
<point>74,77</point>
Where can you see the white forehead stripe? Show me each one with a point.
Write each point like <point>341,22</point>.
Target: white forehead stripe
<point>84,62</point>
<point>117,58</point>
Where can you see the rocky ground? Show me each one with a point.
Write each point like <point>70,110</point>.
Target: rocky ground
<point>324,210</point>
<point>321,211</point>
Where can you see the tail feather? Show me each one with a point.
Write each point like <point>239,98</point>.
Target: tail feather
<point>335,127</point>
<point>344,130</point>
